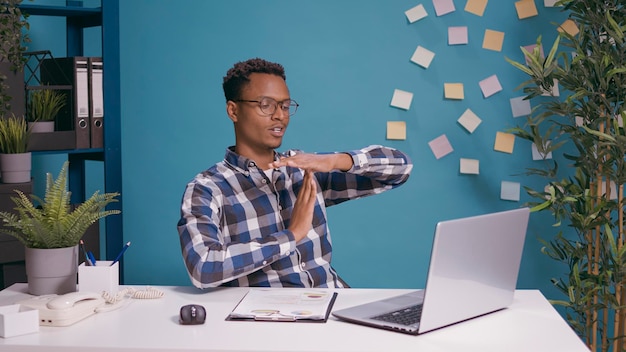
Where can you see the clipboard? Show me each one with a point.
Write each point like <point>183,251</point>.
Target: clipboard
<point>284,305</point>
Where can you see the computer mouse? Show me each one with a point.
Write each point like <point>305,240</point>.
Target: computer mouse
<point>192,314</point>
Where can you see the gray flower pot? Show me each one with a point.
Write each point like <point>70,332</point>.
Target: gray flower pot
<point>51,271</point>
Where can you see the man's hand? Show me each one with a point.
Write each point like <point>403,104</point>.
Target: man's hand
<point>316,162</point>
<point>302,215</point>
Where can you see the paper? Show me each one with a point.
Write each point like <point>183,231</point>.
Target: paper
<point>396,130</point>
<point>443,7</point>
<point>554,92</point>
<point>530,49</point>
<point>453,90</point>
<point>493,40</point>
<point>284,305</point>
<point>401,99</point>
<point>504,142</point>
<point>469,120</point>
<point>469,166</point>
<point>526,9</point>
<point>440,146</point>
<point>509,190</point>
<point>520,107</point>
<point>537,155</point>
<point>549,3</point>
<point>457,35</point>
<point>422,56</point>
<point>569,26</point>
<point>416,13</point>
<point>477,7</point>
<point>490,86</point>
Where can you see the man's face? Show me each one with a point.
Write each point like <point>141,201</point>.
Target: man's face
<point>256,131</point>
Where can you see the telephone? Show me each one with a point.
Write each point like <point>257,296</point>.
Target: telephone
<point>64,310</point>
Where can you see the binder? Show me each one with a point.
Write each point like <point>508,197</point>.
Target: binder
<point>72,72</point>
<point>96,102</point>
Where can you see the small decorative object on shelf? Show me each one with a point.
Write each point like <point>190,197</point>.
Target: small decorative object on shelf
<point>51,229</point>
<point>15,159</point>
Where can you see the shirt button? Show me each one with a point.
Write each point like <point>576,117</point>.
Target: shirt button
<point>264,181</point>
<point>265,262</point>
<point>251,164</point>
<point>246,173</point>
<point>303,265</point>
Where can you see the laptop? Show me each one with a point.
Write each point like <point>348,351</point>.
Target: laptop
<point>473,271</point>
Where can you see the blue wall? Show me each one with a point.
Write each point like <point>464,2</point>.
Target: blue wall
<point>343,61</point>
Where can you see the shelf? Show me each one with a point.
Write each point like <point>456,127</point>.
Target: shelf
<point>81,16</point>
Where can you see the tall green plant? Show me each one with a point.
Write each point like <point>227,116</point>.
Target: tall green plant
<point>12,40</point>
<point>14,134</point>
<point>53,222</point>
<point>44,104</point>
<point>584,130</point>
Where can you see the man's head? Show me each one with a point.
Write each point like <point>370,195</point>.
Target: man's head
<point>239,75</point>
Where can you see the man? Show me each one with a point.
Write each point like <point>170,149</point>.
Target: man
<point>258,218</point>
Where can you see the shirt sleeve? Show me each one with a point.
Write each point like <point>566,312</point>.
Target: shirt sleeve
<point>210,259</point>
<point>375,169</point>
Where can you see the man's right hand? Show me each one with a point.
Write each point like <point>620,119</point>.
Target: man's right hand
<point>302,215</point>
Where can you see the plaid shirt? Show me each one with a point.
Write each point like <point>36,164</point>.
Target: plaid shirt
<point>234,219</point>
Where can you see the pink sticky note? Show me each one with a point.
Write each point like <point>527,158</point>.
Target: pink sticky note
<point>440,146</point>
<point>443,7</point>
<point>457,35</point>
<point>490,86</point>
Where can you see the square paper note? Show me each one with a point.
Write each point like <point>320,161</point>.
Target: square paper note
<point>504,142</point>
<point>440,146</point>
<point>396,130</point>
<point>490,86</point>
<point>422,57</point>
<point>401,99</point>
<point>415,14</point>
<point>469,120</point>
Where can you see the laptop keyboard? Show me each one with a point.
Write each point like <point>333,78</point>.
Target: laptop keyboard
<point>404,316</point>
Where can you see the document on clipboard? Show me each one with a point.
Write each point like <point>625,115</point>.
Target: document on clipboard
<point>287,305</point>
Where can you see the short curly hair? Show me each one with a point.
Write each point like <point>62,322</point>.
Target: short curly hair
<point>239,75</point>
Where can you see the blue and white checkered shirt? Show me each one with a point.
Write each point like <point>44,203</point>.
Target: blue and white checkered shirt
<point>234,219</point>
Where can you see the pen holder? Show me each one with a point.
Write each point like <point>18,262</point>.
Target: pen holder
<point>101,277</point>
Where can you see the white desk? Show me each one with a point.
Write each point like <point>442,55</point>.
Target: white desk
<point>530,324</point>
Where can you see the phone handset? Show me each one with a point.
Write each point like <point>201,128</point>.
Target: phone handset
<point>72,299</point>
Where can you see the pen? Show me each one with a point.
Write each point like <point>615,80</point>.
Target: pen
<point>92,259</point>
<point>121,253</point>
<point>87,259</point>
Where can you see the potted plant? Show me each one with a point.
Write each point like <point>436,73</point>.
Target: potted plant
<point>43,107</point>
<point>15,159</point>
<point>51,229</point>
<point>583,129</point>
<point>12,60</point>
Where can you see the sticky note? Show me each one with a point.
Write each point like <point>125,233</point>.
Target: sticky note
<point>440,146</point>
<point>520,107</point>
<point>612,189</point>
<point>422,56</point>
<point>569,26</point>
<point>493,40</point>
<point>504,142</point>
<point>457,35</point>
<point>549,3</point>
<point>396,130</point>
<point>469,166</point>
<point>416,13</point>
<point>477,7</point>
<point>453,90</point>
<point>401,99</point>
<point>526,9</point>
<point>554,92</point>
<point>469,120</point>
<point>509,190</point>
<point>443,7</point>
<point>531,48</point>
<point>537,155</point>
<point>490,86</point>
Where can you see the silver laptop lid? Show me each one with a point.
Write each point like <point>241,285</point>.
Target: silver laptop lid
<point>474,267</point>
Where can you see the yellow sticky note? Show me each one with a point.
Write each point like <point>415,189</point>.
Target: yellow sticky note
<point>525,9</point>
<point>493,40</point>
<point>477,7</point>
<point>453,90</point>
<point>569,26</point>
<point>504,142</point>
<point>396,130</point>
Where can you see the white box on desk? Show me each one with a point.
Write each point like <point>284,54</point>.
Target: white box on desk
<point>18,320</point>
<point>101,277</point>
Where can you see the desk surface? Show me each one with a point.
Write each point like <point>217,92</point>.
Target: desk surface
<point>530,324</point>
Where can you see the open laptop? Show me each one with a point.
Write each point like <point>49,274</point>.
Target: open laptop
<point>473,271</point>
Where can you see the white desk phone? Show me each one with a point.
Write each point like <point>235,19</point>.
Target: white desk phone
<point>65,310</point>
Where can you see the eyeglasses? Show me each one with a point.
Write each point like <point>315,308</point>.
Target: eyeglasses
<point>268,105</point>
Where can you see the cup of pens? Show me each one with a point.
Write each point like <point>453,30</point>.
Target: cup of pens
<point>99,275</point>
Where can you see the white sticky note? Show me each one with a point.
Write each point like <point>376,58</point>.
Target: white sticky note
<point>469,166</point>
<point>443,7</point>
<point>509,190</point>
<point>490,86</point>
<point>549,3</point>
<point>422,56</point>
<point>440,146</point>
<point>613,190</point>
<point>401,99</point>
<point>416,13</point>
<point>469,121</point>
<point>555,90</point>
<point>457,35</point>
<point>520,107</point>
<point>537,155</point>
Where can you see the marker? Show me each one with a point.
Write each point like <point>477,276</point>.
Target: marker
<point>87,259</point>
<point>121,253</point>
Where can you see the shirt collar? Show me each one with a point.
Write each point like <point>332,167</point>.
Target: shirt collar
<point>240,162</point>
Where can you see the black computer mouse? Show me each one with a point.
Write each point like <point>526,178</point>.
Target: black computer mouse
<point>192,314</point>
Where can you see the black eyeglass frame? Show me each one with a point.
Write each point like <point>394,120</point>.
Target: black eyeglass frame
<point>277,103</point>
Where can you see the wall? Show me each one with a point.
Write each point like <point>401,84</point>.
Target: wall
<point>343,61</point>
